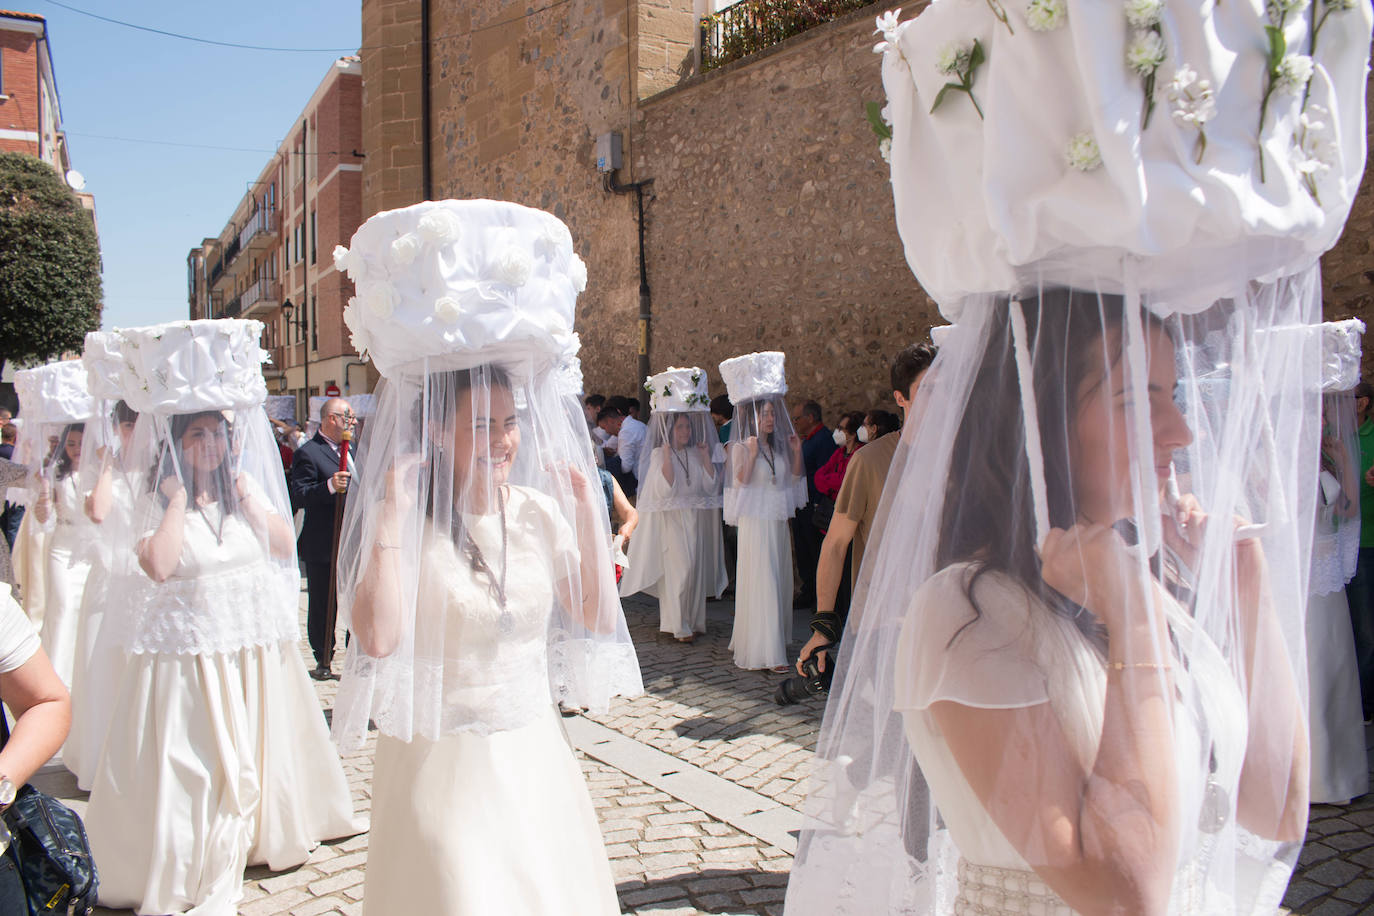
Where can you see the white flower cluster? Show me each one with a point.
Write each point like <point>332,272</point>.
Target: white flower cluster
<point>954,58</point>
<point>1144,14</point>
<point>1294,72</point>
<point>1316,151</point>
<point>886,26</point>
<point>1192,99</point>
<point>1046,15</point>
<point>1278,9</point>
<point>1082,153</point>
<point>885,149</point>
<point>1145,52</point>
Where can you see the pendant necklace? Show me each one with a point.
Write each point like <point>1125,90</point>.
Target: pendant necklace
<point>772,465</point>
<point>681,458</point>
<point>506,622</point>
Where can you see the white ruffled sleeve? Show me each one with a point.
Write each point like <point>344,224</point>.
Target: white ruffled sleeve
<point>18,639</point>
<point>982,653</point>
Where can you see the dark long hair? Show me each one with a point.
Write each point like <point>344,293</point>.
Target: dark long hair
<point>747,413</point>
<point>439,410</point>
<point>988,519</point>
<point>62,462</point>
<point>222,483</point>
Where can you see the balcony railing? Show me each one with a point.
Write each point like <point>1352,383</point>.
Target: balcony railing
<point>262,223</point>
<point>749,26</point>
<point>216,269</point>
<point>262,294</point>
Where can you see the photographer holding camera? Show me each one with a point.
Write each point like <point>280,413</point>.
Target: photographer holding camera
<point>855,509</point>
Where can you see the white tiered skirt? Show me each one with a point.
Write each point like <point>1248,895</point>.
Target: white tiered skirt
<point>763,594</point>
<point>212,763</point>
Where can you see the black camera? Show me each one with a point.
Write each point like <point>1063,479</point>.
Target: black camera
<point>813,682</point>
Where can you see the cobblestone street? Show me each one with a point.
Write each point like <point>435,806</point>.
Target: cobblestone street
<point>697,785</point>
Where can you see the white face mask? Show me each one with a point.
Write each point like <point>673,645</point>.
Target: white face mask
<point>863,434</point>
<point>839,437</point>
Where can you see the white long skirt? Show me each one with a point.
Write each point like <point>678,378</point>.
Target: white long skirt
<point>65,586</point>
<point>1340,767</point>
<point>678,556</point>
<point>763,594</point>
<point>484,824</point>
<point>95,680</point>
<point>30,561</point>
<point>212,763</point>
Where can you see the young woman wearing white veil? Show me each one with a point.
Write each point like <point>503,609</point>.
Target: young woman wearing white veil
<point>1340,763</point>
<point>678,555</point>
<point>57,405</point>
<point>114,479</point>
<point>1070,683</point>
<point>475,569</point>
<point>765,485</point>
<point>217,755</point>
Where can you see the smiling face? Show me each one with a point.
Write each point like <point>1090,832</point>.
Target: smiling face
<point>682,431</point>
<point>486,437</point>
<point>72,446</point>
<point>204,444</point>
<point>1099,449</point>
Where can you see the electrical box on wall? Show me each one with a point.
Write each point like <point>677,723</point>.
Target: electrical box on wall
<point>608,152</point>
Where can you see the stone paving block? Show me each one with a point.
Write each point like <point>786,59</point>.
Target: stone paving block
<point>1333,908</point>
<point>1361,891</point>
<point>334,883</point>
<point>650,895</point>
<point>318,906</point>
<point>1334,873</point>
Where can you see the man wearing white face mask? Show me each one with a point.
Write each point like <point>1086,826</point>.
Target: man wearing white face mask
<point>856,506</point>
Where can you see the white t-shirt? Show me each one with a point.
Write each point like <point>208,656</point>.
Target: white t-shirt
<point>18,639</point>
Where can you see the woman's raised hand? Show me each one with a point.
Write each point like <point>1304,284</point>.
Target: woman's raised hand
<point>1092,566</point>
<point>171,488</point>
<point>402,482</point>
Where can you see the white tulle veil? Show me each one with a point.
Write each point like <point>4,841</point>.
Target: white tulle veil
<point>1073,675</point>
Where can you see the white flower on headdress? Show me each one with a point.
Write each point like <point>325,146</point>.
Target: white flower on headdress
<point>1277,9</point>
<point>1144,14</point>
<point>349,262</point>
<point>1193,101</point>
<point>404,250</point>
<point>885,149</point>
<point>379,298</point>
<point>953,57</point>
<point>578,271</point>
<point>1315,152</point>
<point>440,226</point>
<point>447,309</point>
<point>513,267</point>
<point>340,257</point>
<point>1046,15</point>
<point>548,245</point>
<point>886,26</point>
<point>1145,52</point>
<point>1082,152</point>
<point>1293,73</point>
<point>358,336</point>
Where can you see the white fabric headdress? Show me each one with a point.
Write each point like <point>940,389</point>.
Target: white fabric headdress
<point>455,280</point>
<point>755,375</point>
<point>188,366</point>
<point>103,358</point>
<point>54,393</point>
<point>678,389</point>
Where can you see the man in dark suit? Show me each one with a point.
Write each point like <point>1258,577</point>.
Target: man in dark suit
<point>315,479</point>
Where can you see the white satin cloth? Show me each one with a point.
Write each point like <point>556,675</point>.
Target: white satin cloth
<point>678,555</point>
<point>70,543</point>
<point>494,816</point>
<point>763,594</point>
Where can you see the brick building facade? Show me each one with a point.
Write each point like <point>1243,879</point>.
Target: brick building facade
<point>276,249</point>
<point>769,220</point>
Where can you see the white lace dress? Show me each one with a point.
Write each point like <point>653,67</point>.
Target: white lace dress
<point>493,817</point>
<point>217,755</point>
<point>69,564</point>
<point>678,555</point>
<point>763,567</point>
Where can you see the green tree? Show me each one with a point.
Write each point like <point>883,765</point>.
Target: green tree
<point>49,263</point>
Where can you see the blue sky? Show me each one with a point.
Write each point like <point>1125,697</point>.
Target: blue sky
<point>155,202</point>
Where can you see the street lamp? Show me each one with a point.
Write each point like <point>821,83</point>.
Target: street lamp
<point>302,326</point>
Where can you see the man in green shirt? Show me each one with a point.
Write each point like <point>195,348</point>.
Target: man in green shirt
<point>1360,590</point>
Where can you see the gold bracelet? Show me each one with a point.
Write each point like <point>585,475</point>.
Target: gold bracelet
<point>1122,666</point>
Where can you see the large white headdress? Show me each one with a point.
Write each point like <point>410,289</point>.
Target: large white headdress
<point>755,375</point>
<point>189,366</point>
<point>678,389</point>
<point>54,393</point>
<point>445,283</point>
<point>103,357</point>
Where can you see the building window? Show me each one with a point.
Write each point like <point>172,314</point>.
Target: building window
<point>314,325</point>
<point>2,72</point>
<point>286,256</point>
<point>314,240</point>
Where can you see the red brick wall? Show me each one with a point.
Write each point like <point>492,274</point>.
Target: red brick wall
<point>19,52</point>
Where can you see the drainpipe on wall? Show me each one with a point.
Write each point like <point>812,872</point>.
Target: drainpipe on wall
<point>645,304</point>
<point>348,367</point>
<point>426,128</point>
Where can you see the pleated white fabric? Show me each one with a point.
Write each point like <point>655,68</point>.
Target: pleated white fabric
<point>68,567</point>
<point>213,762</point>
<point>678,557</point>
<point>1340,764</point>
<point>461,824</point>
<point>763,594</point>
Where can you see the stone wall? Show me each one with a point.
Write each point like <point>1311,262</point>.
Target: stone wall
<point>1348,268</point>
